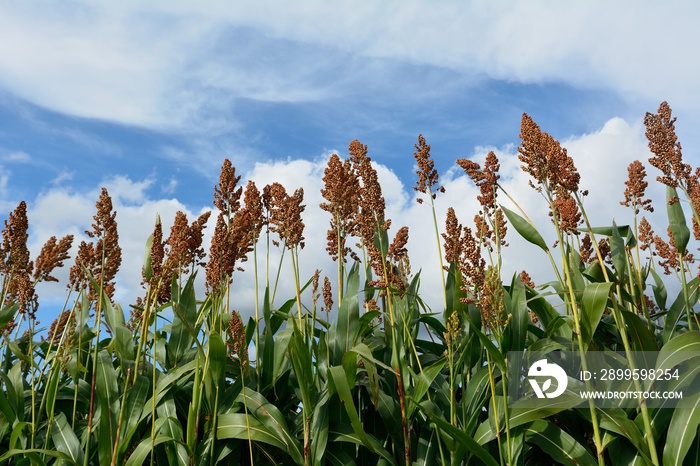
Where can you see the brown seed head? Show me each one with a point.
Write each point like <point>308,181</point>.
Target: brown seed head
<point>327,294</point>
<point>605,250</point>
<point>646,234</point>
<point>222,256</point>
<point>486,180</point>
<point>102,257</point>
<point>586,252</point>
<point>565,210</point>
<point>17,267</point>
<point>663,143</point>
<point>253,207</point>
<point>636,187</point>
<point>452,237</point>
<point>667,253</point>
<point>342,191</point>
<point>371,200</point>
<point>471,265</point>
<point>427,174</point>
<point>545,160</point>
<point>226,194</point>
<point>53,255</point>
<point>453,329</point>
<point>491,301</point>
<point>237,341</point>
<point>526,279</point>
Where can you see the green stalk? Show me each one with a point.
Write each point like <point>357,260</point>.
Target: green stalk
<point>297,287</point>
<point>492,386</point>
<point>153,382</point>
<point>579,336</point>
<point>247,420</point>
<point>257,308</point>
<point>395,358</point>
<point>506,415</point>
<point>279,272</point>
<point>119,422</point>
<point>439,248</point>
<point>619,321</point>
<point>638,270</point>
<point>341,262</point>
<point>98,318</point>
<point>33,378</point>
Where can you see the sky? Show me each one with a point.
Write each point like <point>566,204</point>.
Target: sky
<point>148,98</point>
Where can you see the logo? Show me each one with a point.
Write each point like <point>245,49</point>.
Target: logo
<point>542,369</point>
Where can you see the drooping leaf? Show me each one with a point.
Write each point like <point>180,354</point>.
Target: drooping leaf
<point>526,230</point>
<point>65,439</point>
<point>343,390</point>
<point>462,439</point>
<point>593,303</point>
<point>559,445</point>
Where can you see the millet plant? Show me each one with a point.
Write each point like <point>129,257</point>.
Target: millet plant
<point>355,369</point>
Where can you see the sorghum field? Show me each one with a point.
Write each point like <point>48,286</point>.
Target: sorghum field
<point>359,371</point>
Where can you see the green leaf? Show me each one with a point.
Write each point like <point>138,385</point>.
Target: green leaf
<point>138,456</point>
<point>147,268</point>
<point>34,453</point>
<point>559,445</point>
<point>455,292</point>
<point>676,220</point>
<point>106,381</point>
<point>461,438</point>
<point>526,230</point>
<point>639,334</point>
<point>184,322</point>
<point>301,359</point>
<point>135,403</point>
<point>616,420</point>
<point>681,432</point>
<point>217,359</point>
<point>65,439</point>
<point>678,308</point>
<point>243,426</point>
<point>516,307</point>
<point>522,411</point>
<point>423,381</point>
<point>593,302</point>
<point>272,419</point>
<point>7,313</point>
<point>659,289</point>
<point>679,349</point>
<point>343,390</point>
<point>623,230</point>
<point>343,333</point>
<point>52,390</point>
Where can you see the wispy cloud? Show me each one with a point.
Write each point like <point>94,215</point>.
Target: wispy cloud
<point>18,157</point>
<point>178,65</point>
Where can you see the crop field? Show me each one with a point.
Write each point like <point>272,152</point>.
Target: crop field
<point>353,368</point>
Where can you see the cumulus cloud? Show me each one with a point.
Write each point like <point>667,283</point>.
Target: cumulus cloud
<point>601,157</point>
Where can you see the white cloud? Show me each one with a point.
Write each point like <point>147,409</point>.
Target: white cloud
<point>18,157</point>
<point>135,222</point>
<point>64,175</point>
<point>601,157</point>
<point>178,65</point>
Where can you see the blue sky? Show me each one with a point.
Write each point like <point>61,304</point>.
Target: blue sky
<point>148,98</point>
